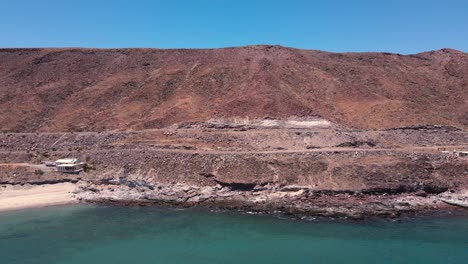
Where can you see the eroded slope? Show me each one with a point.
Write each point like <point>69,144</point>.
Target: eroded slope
<point>99,90</point>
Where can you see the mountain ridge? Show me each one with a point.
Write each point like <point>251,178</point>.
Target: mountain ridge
<point>76,89</point>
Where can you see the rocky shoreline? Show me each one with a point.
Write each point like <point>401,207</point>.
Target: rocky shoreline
<point>295,201</point>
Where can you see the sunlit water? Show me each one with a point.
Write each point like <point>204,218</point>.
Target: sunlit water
<point>85,234</point>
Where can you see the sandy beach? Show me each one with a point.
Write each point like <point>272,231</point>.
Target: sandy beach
<point>13,197</point>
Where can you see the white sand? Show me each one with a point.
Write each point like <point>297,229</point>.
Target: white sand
<point>13,197</point>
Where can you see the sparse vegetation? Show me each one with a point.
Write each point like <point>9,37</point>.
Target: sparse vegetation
<point>39,172</point>
<point>87,167</point>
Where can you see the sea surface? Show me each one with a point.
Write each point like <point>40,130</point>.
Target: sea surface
<point>88,234</point>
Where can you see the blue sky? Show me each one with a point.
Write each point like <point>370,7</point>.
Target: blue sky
<point>363,25</point>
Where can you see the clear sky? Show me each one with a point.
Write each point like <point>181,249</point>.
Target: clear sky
<point>409,26</point>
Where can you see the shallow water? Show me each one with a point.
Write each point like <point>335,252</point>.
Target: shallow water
<point>87,234</point>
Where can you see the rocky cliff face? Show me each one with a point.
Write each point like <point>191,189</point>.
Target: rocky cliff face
<point>98,90</point>
<point>398,160</point>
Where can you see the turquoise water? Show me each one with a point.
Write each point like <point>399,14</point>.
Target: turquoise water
<point>86,235</point>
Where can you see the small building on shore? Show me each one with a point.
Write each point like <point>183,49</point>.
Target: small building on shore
<point>69,165</point>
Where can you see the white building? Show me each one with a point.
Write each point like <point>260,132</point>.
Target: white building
<point>69,165</point>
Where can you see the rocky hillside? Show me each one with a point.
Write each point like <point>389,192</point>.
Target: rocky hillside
<point>116,89</point>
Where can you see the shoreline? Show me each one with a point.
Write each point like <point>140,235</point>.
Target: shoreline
<point>19,197</point>
<point>299,204</point>
<point>289,201</point>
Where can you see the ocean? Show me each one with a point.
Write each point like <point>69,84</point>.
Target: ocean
<point>97,234</point>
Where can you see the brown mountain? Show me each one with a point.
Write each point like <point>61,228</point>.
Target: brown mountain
<point>106,89</point>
